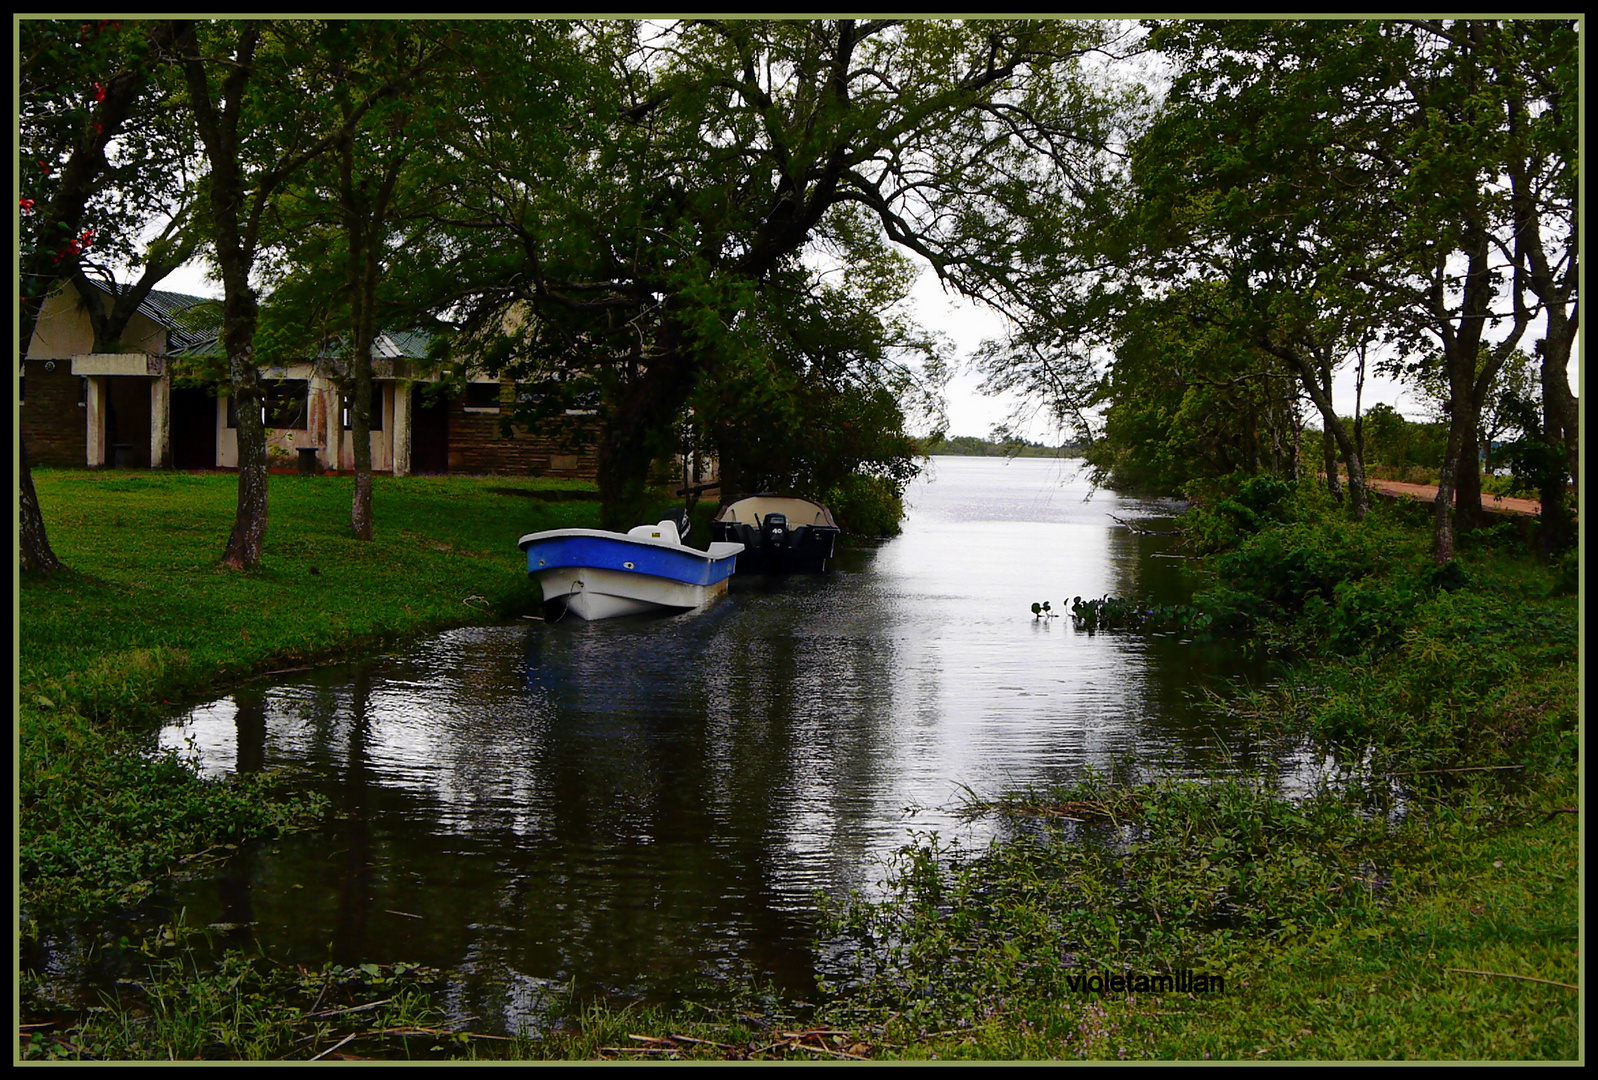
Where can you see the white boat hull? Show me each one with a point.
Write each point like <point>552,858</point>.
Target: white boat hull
<point>592,593</point>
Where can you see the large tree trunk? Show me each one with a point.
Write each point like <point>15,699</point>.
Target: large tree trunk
<point>640,429</point>
<point>363,227</point>
<point>362,331</point>
<point>249,520</point>
<point>361,434</point>
<point>1467,477</point>
<point>35,554</point>
<point>1443,505</point>
<point>1562,435</point>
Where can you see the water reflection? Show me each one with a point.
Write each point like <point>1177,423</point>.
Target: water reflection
<point>639,805</point>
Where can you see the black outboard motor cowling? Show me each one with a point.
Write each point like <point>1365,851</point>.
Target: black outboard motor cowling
<point>679,517</point>
<point>774,532</point>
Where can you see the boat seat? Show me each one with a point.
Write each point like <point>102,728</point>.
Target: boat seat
<point>661,530</point>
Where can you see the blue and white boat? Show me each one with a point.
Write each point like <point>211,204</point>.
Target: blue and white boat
<point>596,574</point>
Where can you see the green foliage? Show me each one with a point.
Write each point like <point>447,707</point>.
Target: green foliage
<point>1008,446</point>
<point>1214,877</point>
<point>1232,508</point>
<point>1115,613</point>
<point>705,216</point>
<point>243,1007</point>
<point>818,390</point>
<point>1438,647</point>
<point>1190,400</point>
<point>1393,441</point>
<point>866,505</point>
<point>82,84</point>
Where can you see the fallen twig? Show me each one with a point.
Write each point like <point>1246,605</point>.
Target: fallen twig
<point>335,1046</point>
<point>1467,768</point>
<point>1507,975</point>
<point>823,1050</point>
<point>701,1042</point>
<point>349,1009</point>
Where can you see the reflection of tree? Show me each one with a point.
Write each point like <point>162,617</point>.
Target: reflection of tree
<point>355,832</point>
<point>250,720</point>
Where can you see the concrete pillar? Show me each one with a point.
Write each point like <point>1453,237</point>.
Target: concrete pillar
<point>323,424</point>
<point>94,416</point>
<point>399,437</point>
<point>161,422</point>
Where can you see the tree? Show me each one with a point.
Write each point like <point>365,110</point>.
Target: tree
<point>334,279</point>
<point>258,92</point>
<point>1350,174</point>
<point>709,159</point>
<point>1189,399</point>
<point>82,86</point>
<point>1537,63</point>
<point>828,391</point>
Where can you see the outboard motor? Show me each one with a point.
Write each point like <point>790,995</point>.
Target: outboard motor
<point>774,534</point>
<point>679,518</point>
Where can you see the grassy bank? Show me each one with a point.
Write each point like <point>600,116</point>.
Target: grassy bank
<point>146,616</point>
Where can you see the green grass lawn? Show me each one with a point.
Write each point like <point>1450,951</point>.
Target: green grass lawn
<point>147,609</point>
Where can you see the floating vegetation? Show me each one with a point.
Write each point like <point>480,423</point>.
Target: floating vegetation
<point>1118,613</point>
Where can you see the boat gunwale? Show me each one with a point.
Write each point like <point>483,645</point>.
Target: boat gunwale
<point>718,549</point>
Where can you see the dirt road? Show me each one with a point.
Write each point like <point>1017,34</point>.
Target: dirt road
<point>1498,504</point>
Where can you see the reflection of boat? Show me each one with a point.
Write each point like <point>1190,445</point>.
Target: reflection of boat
<point>596,574</point>
<point>780,534</point>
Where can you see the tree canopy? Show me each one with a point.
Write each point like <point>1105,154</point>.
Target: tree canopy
<point>706,229</point>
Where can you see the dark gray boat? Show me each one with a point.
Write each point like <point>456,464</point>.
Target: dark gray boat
<point>780,534</point>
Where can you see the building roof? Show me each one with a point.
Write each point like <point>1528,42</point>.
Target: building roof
<point>167,309</point>
<point>197,338</point>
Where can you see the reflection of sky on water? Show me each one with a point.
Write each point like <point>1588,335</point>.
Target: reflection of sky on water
<point>568,790</point>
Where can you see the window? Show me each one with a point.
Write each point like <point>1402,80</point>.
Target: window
<point>285,404</point>
<point>347,411</point>
<point>483,396</point>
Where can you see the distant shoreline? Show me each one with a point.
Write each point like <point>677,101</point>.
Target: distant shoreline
<point>971,446</point>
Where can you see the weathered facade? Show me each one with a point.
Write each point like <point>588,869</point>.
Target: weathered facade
<point>122,409</point>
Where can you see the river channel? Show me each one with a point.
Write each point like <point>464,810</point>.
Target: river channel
<point>649,807</point>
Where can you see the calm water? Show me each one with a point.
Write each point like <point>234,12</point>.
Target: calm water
<point>649,805</point>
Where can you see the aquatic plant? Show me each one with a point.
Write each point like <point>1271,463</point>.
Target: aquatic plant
<point>1118,613</point>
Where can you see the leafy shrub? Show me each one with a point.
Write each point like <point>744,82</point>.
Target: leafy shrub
<point>1286,566</point>
<point>1229,511</point>
<point>866,505</point>
<point>1567,574</point>
<point>1367,614</point>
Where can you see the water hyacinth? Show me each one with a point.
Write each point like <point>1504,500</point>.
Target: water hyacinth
<point>1118,613</point>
